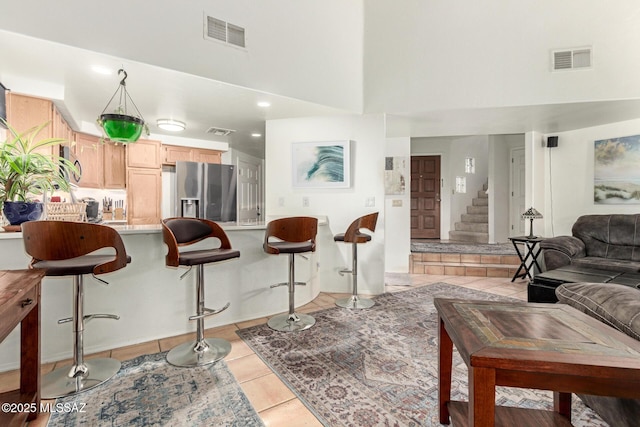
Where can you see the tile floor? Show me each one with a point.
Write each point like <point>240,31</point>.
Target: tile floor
<point>275,403</point>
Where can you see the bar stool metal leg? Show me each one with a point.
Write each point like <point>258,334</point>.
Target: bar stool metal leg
<point>291,321</point>
<point>202,351</point>
<point>354,301</point>
<point>83,375</point>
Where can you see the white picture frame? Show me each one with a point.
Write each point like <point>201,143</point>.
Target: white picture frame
<point>321,164</point>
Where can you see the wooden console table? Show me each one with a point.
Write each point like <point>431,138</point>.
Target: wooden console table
<point>20,303</point>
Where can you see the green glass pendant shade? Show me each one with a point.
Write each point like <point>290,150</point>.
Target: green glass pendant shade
<point>122,128</point>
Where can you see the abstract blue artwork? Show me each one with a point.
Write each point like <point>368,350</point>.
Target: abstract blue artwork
<point>321,164</point>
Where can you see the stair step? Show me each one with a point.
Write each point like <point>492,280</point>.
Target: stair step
<point>480,201</point>
<point>482,194</point>
<point>475,218</point>
<point>478,210</point>
<point>450,264</point>
<point>476,227</point>
<point>468,236</point>
<point>466,258</point>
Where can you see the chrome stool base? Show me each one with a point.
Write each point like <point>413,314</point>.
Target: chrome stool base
<point>355,301</point>
<point>58,383</point>
<point>199,353</point>
<point>291,322</point>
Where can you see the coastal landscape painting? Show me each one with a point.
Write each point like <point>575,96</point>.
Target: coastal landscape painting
<point>617,171</point>
<point>321,164</point>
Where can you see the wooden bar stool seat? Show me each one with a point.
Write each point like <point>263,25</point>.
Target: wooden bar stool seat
<point>180,232</point>
<point>354,236</point>
<point>64,248</point>
<point>294,235</point>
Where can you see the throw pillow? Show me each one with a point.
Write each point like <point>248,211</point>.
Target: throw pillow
<point>615,305</point>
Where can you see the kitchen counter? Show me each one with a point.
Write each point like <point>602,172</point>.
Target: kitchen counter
<point>154,303</point>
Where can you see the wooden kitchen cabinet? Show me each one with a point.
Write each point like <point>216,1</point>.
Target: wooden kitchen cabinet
<point>207,156</point>
<point>144,195</point>
<point>144,153</point>
<point>115,165</point>
<point>25,112</point>
<point>89,152</point>
<point>176,153</point>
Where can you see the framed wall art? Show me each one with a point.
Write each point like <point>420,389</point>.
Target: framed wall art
<point>616,173</point>
<point>325,164</point>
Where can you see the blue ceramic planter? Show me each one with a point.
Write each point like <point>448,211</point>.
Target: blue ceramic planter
<point>19,212</point>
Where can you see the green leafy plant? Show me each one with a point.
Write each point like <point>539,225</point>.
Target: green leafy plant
<point>25,172</point>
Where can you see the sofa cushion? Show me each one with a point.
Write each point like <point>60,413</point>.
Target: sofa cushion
<point>620,265</point>
<point>615,305</point>
<point>610,236</point>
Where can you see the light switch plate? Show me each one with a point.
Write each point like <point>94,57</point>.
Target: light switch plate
<point>396,203</point>
<point>370,202</point>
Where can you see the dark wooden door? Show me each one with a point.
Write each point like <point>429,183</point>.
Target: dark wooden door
<point>425,197</point>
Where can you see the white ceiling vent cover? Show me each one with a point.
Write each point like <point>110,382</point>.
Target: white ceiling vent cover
<point>219,131</point>
<point>572,59</point>
<point>217,29</point>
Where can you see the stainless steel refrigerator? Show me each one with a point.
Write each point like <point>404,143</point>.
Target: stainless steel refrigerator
<point>206,190</point>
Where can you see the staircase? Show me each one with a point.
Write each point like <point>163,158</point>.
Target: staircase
<point>474,225</point>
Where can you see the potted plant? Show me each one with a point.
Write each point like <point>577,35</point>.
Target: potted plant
<point>26,173</point>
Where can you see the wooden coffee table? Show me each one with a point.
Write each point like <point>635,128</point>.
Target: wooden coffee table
<point>541,346</point>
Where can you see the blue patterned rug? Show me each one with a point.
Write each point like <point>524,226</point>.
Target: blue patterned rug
<point>379,367</point>
<point>148,391</point>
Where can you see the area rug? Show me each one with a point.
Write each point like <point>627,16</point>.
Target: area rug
<point>379,367</point>
<point>462,248</point>
<point>148,391</point>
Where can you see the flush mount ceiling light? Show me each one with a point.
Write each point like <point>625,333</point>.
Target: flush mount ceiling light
<point>119,125</point>
<point>256,135</point>
<point>264,104</point>
<point>171,125</point>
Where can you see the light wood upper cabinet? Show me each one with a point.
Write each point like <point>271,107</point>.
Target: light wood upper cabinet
<point>144,153</point>
<point>115,165</point>
<point>206,156</point>
<point>175,153</point>
<point>89,151</point>
<point>25,112</point>
<point>144,194</point>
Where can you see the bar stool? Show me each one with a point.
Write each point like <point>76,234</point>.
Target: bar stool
<point>65,249</point>
<point>295,235</point>
<point>355,237</point>
<point>179,232</point>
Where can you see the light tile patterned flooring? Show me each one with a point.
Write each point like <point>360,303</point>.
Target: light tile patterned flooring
<point>271,398</point>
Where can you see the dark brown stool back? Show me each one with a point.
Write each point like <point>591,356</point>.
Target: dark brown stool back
<point>354,236</point>
<point>293,235</point>
<point>181,232</point>
<point>67,249</point>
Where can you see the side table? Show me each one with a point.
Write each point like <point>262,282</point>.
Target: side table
<point>20,304</point>
<point>528,255</point>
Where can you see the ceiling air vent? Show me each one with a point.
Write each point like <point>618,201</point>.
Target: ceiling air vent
<point>219,131</point>
<point>572,59</point>
<point>217,29</point>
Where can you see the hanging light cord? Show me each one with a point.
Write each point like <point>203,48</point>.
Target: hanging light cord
<point>122,90</point>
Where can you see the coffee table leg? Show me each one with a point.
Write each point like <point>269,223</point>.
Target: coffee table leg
<point>562,403</point>
<point>445,360</point>
<point>482,397</point>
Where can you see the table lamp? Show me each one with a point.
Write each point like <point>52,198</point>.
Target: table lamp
<point>531,214</point>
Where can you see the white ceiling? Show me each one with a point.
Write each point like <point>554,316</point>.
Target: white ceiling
<point>33,65</point>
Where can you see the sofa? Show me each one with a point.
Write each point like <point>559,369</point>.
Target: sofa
<point>607,242</point>
<point>619,307</point>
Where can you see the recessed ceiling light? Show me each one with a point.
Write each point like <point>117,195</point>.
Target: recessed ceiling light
<point>101,70</point>
<point>264,104</point>
<point>256,135</point>
<point>171,125</point>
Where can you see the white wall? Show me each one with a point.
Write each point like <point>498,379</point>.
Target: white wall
<point>439,55</point>
<point>341,206</point>
<point>567,174</point>
<point>290,44</point>
<point>397,242</point>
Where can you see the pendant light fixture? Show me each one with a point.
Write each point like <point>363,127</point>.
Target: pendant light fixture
<point>119,125</point>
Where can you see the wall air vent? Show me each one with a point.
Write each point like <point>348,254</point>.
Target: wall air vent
<point>571,59</point>
<point>217,29</point>
<point>219,131</point>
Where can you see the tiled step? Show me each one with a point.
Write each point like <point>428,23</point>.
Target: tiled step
<point>464,264</point>
<point>476,227</point>
<point>468,236</point>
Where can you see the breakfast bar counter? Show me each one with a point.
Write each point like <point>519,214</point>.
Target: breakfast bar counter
<point>152,301</point>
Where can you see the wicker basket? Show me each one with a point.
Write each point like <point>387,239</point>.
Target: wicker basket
<point>76,212</point>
